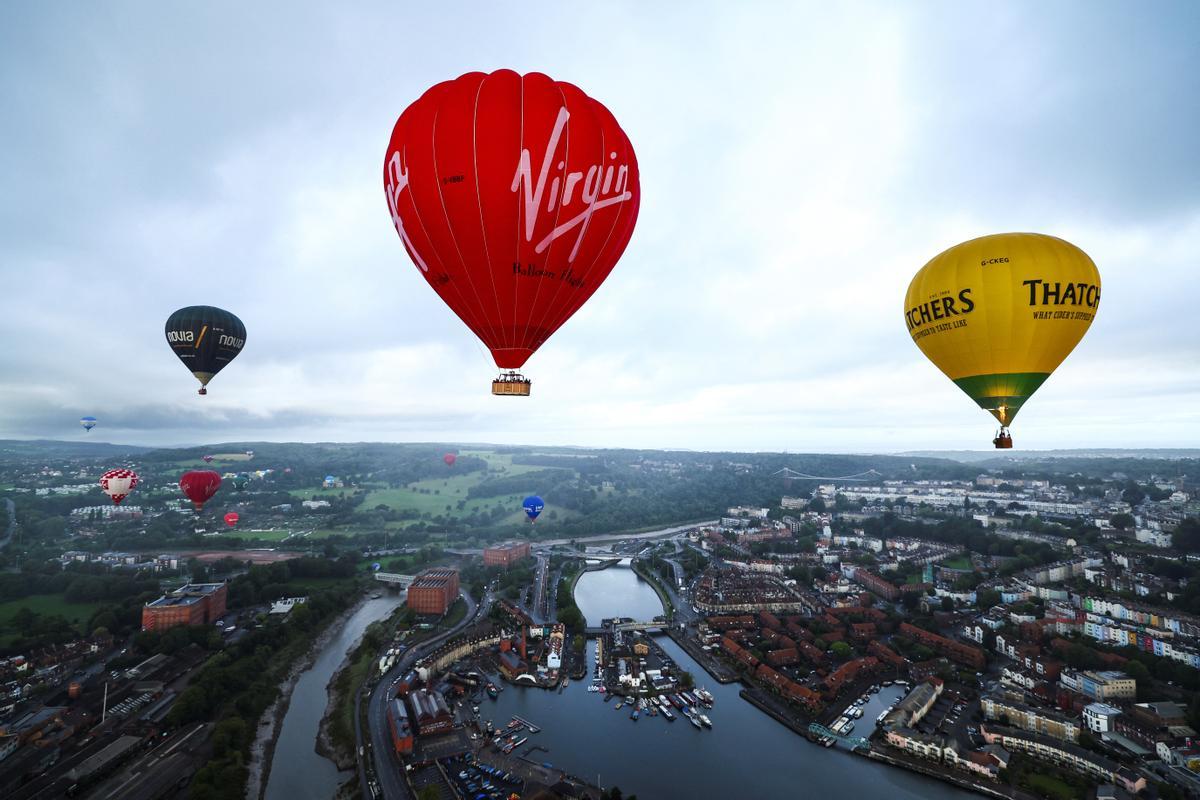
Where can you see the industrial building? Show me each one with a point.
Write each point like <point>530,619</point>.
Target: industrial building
<point>506,554</point>
<point>400,726</point>
<point>193,604</point>
<point>433,591</point>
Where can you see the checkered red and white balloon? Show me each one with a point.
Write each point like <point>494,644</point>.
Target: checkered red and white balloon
<point>118,483</point>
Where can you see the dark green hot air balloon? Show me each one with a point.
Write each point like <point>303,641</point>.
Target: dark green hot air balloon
<point>205,338</point>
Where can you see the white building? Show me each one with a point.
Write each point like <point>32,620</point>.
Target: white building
<point>1099,716</point>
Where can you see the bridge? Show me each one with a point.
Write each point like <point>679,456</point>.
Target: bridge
<point>631,626</point>
<point>788,472</point>
<point>395,580</point>
<point>854,742</point>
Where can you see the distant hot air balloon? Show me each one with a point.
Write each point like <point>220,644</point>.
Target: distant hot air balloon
<point>249,454</point>
<point>87,422</point>
<point>207,459</point>
<point>998,314</point>
<point>449,458</point>
<point>206,339</point>
<point>533,506</point>
<point>376,567</point>
<point>514,195</point>
<point>240,480</point>
<point>118,483</point>
<point>287,470</point>
<point>200,485</point>
<point>232,518</point>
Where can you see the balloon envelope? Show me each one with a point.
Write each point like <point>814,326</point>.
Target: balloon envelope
<point>207,459</point>
<point>376,566</point>
<point>533,506</point>
<point>449,458</point>
<point>205,339</point>
<point>231,518</point>
<point>87,422</point>
<point>514,195</point>
<point>118,483</point>
<point>199,486</point>
<point>998,314</point>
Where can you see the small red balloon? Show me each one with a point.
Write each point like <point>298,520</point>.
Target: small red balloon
<point>231,518</point>
<point>449,458</point>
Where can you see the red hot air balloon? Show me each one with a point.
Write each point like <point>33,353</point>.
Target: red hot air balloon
<point>207,459</point>
<point>514,195</point>
<point>118,483</point>
<point>449,458</point>
<point>200,485</point>
<point>231,518</point>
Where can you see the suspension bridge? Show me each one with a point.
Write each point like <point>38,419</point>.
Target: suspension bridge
<point>788,472</point>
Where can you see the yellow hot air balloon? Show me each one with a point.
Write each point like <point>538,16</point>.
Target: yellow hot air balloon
<point>999,313</point>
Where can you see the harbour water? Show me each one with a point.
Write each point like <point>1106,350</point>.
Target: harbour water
<point>745,755</point>
<point>297,771</point>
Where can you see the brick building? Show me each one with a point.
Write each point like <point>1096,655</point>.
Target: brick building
<point>433,591</point>
<point>504,555</point>
<point>193,604</point>
<point>400,726</point>
<point>876,584</point>
<point>431,712</point>
<point>962,653</point>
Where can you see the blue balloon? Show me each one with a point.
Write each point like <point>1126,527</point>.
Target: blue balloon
<point>88,423</point>
<point>376,566</point>
<point>533,506</point>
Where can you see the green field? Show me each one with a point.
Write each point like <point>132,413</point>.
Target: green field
<point>433,495</point>
<point>50,604</point>
<point>958,562</point>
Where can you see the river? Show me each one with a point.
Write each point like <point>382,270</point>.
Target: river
<point>297,771</point>
<point>746,754</point>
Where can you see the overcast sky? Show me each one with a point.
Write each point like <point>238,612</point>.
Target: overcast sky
<point>799,163</point>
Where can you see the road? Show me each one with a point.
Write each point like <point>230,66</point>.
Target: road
<point>12,522</point>
<point>388,771</point>
<point>613,537</point>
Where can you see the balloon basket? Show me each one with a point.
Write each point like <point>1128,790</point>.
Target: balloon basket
<point>511,384</point>
<point>1003,440</point>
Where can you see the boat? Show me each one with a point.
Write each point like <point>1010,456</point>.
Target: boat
<point>666,712</point>
<point>621,703</point>
<point>694,721</point>
<point>608,697</point>
<point>828,741</point>
<point>492,691</point>
<point>633,716</point>
<point>887,683</point>
<point>849,727</point>
<point>705,720</point>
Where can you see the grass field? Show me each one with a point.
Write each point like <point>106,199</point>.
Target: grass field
<point>77,613</point>
<point>433,495</point>
<point>958,562</point>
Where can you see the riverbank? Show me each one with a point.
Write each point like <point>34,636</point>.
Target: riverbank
<point>718,671</point>
<point>959,781</point>
<point>656,584</point>
<point>262,749</point>
<point>335,734</point>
